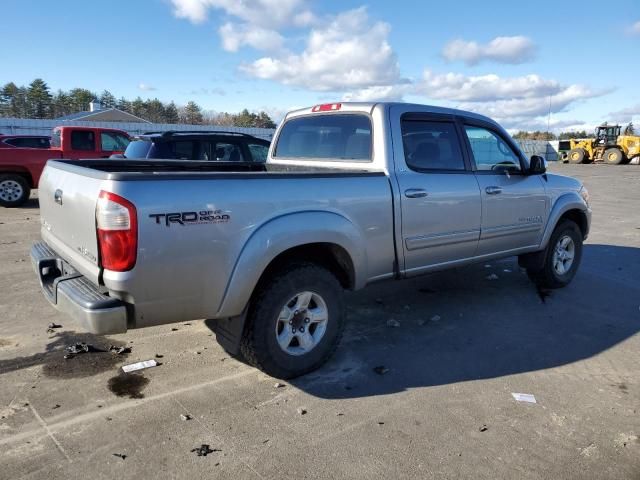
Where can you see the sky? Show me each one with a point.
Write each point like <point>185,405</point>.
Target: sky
<point>513,61</point>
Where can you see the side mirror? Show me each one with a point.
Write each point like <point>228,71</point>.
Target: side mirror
<point>537,165</point>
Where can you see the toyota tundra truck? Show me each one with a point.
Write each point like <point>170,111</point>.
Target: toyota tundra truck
<point>351,194</point>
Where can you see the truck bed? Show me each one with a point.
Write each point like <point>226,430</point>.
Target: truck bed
<point>182,169</point>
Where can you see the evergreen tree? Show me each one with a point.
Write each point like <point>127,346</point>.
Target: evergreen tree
<point>124,105</point>
<point>38,99</point>
<point>62,104</point>
<point>138,108</point>
<point>107,100</point>
<point>191,114</point>
<point>154,111</point>
<point>171,113</point>
<point>80,98</point>
<point>9,102</point>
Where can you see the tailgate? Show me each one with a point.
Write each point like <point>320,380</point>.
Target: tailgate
<point>68,198</point>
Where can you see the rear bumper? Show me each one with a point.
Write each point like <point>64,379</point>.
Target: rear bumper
<point>73,294</point>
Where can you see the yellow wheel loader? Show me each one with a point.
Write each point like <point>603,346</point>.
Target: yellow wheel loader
<point>608,146</point>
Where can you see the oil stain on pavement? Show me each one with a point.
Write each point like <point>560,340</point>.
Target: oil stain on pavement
<point>128,385</point>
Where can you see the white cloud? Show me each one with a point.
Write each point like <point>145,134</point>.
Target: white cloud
<point>267,14</point>
<point>513,101</point>
<point>146,87</point>
<point>455,86</point>
<point>511,50</point>
<point>348,53</point>
<point>383,93</point>
<point>626,114</point>
<point>635,28</point>
<point>235,36</point>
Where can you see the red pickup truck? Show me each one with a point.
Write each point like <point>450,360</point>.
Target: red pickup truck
<point>20,167</point>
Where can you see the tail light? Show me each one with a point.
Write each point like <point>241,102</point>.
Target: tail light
<point>117,224</point>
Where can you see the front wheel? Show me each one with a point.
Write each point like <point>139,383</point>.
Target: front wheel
<point>613,156</point>
<point>561,257</point>
<point>577,155</point>
<point>14,190</point>
<point>295,322</point>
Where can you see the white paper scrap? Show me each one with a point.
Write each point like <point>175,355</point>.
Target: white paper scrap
<point>524,397</point>
<point>139,366</point>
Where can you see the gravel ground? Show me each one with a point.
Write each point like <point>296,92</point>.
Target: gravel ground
<point>443,409</point>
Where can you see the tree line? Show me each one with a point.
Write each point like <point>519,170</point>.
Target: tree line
<point>37,101</point>
<point>538,135</point>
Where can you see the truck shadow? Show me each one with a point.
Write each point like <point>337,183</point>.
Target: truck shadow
<point>465,325</point>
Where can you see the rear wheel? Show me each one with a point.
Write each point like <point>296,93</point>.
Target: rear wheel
<point>561,258</point>
<point>295,322</point>
<point>613,156</point>
<point>14,190</point>
<point>576,156</point>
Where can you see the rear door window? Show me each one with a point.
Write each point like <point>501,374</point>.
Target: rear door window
<point>28,142</point>
<point>184,150</point>
<point>83,140</point>
<point>345,137</point>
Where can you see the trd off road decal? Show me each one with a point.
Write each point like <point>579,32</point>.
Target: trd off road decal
<point>191,218</point>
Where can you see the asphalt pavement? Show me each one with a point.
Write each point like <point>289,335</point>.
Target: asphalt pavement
<point>428,398</point>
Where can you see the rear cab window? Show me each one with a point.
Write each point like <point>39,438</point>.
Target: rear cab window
<point>333,136</point>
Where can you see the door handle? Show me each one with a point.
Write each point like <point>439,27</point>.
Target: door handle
<point>415,193</point>
<point>493,190</point>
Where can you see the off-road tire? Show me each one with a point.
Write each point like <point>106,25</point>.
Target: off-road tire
<point>546,276</point>
<point>613,156</point>
<point>259,345</point>
<point>9,180</point>
<point>577,155</point>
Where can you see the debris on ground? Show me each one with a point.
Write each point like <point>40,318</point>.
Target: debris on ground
<point>139,366</point>
<point>339,414</point>
<point>487,266</point>
<point>407,307</point>
<point>493,276</point>
<point>55,406</point>
<point>119,455</point>
<point>174,329</point>
<point>77,349</point>
<point>380,423</point>
<point>435,318</point>
<point>393,323</point>
<point>185,416</point>
<point>421,322</point>
<point>381,370</point>
<point>524,397</point>
<point>279,385</point>
<point>204,450</point>
<point>119,350</point>
<point>52,326</point>
<point>484,428</point>
<point>302,411</point>
<point>506,270</point>
<point>159,356</point>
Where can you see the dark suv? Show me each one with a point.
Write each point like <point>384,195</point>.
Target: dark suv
<point>24,141</point>
<point>216,146</point>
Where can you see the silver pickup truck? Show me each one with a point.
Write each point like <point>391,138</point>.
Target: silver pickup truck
<point>351,194</point>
